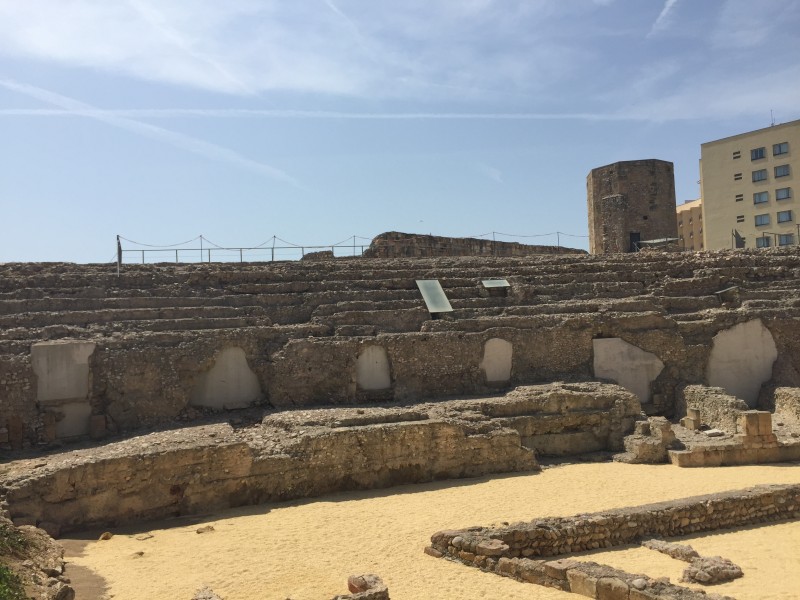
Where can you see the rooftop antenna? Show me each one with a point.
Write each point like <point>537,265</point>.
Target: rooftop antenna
<point>772,118</point>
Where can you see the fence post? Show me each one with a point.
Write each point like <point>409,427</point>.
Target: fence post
<point>240,255</point>
<point>176,256</point>
<point>119,256</point>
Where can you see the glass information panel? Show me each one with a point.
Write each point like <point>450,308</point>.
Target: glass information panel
<point>434,296</point>
<point>495,283</point>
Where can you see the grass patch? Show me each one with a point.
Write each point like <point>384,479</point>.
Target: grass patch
<point>11,587</point>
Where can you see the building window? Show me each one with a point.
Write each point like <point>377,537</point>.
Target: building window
<point>740,218</point>
<point>786,239</point>
<point>680,223</point>
<point>760,197</point>
<point>783,193</point>
<point>762,242</point>
<point>760,175</point>
<point>739,197</point>
<point>781,171</point>
<point>737,176</point>
<point>762,220</point>
<point>784,216</point>
<point>757,153</point>
<point>782,148</point>
<point>737,154</point>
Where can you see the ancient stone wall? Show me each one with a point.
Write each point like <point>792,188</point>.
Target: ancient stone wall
<point>630,201</point>
<point>565,535</point>
<point>717,408</point>
<point>394,244</point>
<point>787,405</point>
<point>177,342</point>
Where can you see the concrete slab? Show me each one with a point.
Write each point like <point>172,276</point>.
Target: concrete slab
<point>229,384</point>
<point>62,369</point>
<point>741,360</point>
<point>497,359</point>
<point>372,369</point>
<point>629,366</point>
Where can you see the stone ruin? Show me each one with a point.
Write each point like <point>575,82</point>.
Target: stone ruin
<point>262,377</point>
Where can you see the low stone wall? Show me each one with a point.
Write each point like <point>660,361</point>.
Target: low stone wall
<point>306,453</point>
<point>735,452</point>
<point>394,244</point>
<point>154,476</point>
<point>594,580</point>
<point>483,547</point>
<point>717,408</point>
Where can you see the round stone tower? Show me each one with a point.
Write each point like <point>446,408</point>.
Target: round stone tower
<point>630,202</point>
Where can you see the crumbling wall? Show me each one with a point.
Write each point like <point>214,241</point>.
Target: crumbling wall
<point>564,535</point>
<point>787,404</point>
<point>394,244</point>
<point>717,408</point>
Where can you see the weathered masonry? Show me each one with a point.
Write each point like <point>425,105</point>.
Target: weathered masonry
<point>84,352</point>
<point>630,203</point>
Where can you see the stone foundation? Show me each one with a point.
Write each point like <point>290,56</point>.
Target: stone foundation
<point>565,535</point>
<point>513,551</point>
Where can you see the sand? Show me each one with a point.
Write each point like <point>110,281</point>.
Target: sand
<point>306,550</point>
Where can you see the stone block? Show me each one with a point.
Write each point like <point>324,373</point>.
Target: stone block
<point>690,423</point>
<point>532,571</point>
<point>748,423</point>
<point>612,588</point>
<point>582,583</point>
<point>764,423</point>
<point>693,413</point>
<point>557,569</point>
<point>491,548</point>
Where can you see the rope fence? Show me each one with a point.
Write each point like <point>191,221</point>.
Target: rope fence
<point>202,249</point>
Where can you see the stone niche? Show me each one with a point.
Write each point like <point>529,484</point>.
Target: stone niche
<point>628,365</point>
<point>372,369</point>
<point>229,384</point>
<point>496,363</point>
<point>741,360</point>
<point>62,383</point>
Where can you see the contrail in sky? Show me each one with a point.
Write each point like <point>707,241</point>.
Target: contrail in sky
<point>241,113</point>
<point>661,21</point>
<point>70,106</point>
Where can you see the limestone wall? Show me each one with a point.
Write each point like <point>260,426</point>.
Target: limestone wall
<point>787,405</point>
<point>717,409</point>
<point>304,453</point>
<point>180,341</point>
<point>564,535</point>
<point>394,244</point>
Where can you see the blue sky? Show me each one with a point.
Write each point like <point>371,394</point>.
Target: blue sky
<point>318,120</point>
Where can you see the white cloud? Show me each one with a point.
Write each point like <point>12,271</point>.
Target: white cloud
<point>704,96</point>
<point>409,48</point>
<point>744,25</point>
<point>491,172</point>
<point>173,138</point>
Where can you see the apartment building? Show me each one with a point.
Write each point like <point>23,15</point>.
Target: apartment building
<point>690,225</point>
<point>748,186</point>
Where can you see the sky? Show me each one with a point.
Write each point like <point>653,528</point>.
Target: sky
<point>255,123</point>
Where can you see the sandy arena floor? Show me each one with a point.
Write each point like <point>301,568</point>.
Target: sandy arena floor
<point>306,550</point>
